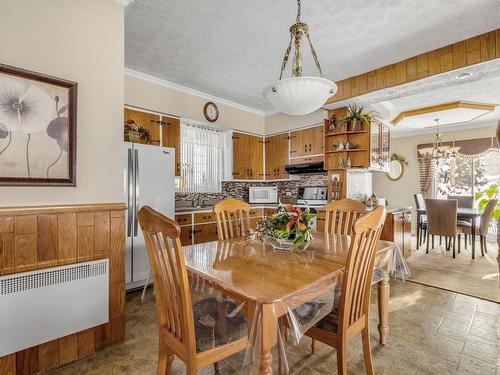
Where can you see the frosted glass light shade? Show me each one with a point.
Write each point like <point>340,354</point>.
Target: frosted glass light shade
<point>300,95</point>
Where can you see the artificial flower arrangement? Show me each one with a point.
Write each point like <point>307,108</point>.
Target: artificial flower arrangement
<point>288,227</point>
<point>135,131</point>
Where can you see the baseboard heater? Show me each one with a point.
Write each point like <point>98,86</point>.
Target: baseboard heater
<point>43,305</point>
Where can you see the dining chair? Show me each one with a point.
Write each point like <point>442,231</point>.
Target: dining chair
<point>350,315</point>
<point>422,229</point>
<point>233,218</point>
<point>442,221</point>
<point>199,334</point>
<point>341,215</point>
<point>464,201</point>
<point>484,224</point>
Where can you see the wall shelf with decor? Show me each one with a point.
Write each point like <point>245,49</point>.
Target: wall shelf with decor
<point>345,132</point>
<point>355,144</point>
<point>349,150</point>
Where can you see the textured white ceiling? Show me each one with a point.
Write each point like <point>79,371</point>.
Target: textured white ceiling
<point>233,48</point>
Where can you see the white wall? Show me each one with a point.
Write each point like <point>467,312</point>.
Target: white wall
<point>159,97</point>
<point>400,192</point>
<point>82,41</point>
<point>280,122</point>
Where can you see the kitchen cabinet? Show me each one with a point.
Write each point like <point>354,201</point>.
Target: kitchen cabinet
<point>276,156</point>
<point>307,159</point>
<point>186,235</point>
<point>380,143</point>
<point>171,137</point>
<point>397,229</point>
<point>205,233</point>
<point>150,121</point>
<point>248,157</point>
<point>307,142</point>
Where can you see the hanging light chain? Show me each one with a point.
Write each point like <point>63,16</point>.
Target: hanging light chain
<point>315,57</point>
<point>287,55</point>
<point>298,11</point>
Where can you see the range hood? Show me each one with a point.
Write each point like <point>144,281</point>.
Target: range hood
<point>316,167</point>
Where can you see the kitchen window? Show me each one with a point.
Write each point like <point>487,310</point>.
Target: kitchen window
<point>202,149</point>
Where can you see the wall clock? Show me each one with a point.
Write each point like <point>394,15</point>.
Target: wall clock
<point>211,112</point>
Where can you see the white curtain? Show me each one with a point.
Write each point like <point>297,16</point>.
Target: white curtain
<point>202,150</point>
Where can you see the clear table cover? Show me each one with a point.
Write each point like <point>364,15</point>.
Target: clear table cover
<point>275,289</point>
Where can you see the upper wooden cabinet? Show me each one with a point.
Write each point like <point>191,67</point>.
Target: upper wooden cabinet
<point>148,121</point>
<point>276,156</point>
<point>248,154</point>
<point>156,124</point>
<point>171,137</point>
<point>307,142</point>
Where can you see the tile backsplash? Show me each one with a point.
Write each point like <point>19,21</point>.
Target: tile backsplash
<point>239,189</point>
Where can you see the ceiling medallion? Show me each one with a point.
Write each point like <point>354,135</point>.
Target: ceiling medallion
<point>299,95</point>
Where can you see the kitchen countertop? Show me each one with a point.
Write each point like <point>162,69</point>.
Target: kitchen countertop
<point>187,210</point>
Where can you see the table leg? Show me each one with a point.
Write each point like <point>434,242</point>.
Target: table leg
<point>473,235</point>
<point>269,328</point>
<point>418,230</point>
<point>383,306</point>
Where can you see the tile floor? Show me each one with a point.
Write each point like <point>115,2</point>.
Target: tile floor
<point>432,331</point>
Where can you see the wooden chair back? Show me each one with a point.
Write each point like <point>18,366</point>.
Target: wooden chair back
<point>172,292</point>
<point>341,215</point>
<point>233,218</point>
<point>356,284</point>
<point>442,217</point>
<point>464,201</point>
<point>487,216</point>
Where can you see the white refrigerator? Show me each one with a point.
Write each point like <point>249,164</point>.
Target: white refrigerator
<point>149,180</point>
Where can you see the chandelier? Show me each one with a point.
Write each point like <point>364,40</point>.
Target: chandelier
<point>299,95</point>
<point>438,150</point>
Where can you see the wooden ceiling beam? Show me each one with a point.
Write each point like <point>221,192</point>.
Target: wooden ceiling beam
<point>475,50</point>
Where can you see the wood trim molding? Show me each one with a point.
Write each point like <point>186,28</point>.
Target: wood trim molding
<point>443,107</point>
<point>34,238</point>
<point>475,50</point>
<point>59,209</point>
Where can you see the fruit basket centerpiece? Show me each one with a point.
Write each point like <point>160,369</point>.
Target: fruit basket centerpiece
<point>288,229</point>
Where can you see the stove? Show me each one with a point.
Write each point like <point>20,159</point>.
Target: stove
<point>314,197</point>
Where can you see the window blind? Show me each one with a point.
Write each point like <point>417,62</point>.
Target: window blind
<point>202,150</point>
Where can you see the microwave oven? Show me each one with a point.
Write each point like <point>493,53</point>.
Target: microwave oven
<point>263,194</point>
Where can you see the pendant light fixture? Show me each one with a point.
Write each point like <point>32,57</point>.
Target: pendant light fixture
<point>299,95</point>
<point>438,150</point>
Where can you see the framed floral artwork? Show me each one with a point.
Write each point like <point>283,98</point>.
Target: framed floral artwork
<point>37,129</point>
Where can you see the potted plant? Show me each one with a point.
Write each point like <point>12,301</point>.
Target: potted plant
<point>357,114</point>
<point>288,229</point>
<point>135,132</point>
<point>482,198</point>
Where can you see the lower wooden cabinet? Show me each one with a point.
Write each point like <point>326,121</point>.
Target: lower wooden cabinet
<point>186,236</point>
<point>201,227</point>
<point>397,229</point>
<point>205,233</point>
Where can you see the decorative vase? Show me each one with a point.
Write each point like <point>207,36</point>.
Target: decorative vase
<point>133,136</point>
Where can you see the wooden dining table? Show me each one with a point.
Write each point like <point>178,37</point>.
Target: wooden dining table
<point>272,281</point>
<point>463,213</point>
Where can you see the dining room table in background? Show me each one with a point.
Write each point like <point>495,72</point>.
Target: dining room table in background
<point>463,213</point>
<point>272,283</point>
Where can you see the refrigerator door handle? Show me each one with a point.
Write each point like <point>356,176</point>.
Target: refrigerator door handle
<point>136,193</point>
<point>129,193</point>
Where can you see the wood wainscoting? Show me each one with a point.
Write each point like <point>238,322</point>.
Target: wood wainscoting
<point>34,238</point>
